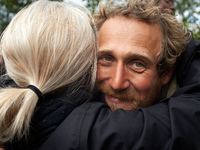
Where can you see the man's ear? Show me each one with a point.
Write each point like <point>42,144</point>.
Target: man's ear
<point>167,76</point>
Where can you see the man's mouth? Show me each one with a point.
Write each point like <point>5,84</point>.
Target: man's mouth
<point>116,100</point>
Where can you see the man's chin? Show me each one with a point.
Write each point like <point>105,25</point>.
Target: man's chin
<point>115,103</point>
<point>115,106</point>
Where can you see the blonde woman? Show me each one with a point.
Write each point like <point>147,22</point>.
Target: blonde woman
<point>49,49</point>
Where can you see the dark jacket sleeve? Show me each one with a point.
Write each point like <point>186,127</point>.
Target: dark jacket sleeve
<point>93,126</point>
<point>184,105</point>
<point>170,125</point>
<point>126,130</point>
<point>184,113</point>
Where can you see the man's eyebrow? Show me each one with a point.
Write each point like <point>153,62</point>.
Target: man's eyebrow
<point>104,51</point>
<point>140,56</point>
<point>130,55</point>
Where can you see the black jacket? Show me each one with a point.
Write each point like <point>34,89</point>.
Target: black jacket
<point>172,124</point>
<point>48,115</point>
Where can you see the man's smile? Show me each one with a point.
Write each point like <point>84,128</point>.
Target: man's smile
<point>112,99</point>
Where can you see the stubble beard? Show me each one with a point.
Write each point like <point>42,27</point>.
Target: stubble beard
<point>137,101</point>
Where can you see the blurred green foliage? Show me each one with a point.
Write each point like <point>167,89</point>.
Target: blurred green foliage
<point>92,4</point>
<point>8,8</point>
<point>187,10</point>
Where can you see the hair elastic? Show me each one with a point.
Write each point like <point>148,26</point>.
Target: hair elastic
<point>36,91</point>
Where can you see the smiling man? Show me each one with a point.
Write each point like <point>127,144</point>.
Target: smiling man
<point>127,64</point>
<point>136,58</point>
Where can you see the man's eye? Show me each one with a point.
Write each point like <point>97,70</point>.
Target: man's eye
<point>107,58</point>
<point>138,64</point>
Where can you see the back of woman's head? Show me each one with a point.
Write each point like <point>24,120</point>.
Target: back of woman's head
<point>49,45</point>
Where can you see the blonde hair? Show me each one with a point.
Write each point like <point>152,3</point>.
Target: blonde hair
<point>48,45</point>
<point>174,35</point>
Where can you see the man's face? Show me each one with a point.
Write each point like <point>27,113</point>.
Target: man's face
<point>166,4</point>
<point>127,63</point>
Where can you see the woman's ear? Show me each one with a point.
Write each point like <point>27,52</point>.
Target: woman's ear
<point>167,76</point>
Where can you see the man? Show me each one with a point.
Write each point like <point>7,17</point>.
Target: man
<point>170,124</point>
<point>131,53</point>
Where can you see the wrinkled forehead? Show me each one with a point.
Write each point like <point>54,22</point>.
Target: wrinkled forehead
<point>138,38</point>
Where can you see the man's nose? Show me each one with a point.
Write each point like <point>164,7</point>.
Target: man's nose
<point>119,80</point>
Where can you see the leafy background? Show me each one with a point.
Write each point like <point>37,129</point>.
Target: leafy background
<point>187,11</point>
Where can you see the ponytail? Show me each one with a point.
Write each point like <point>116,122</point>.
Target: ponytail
<point>16,109</point>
